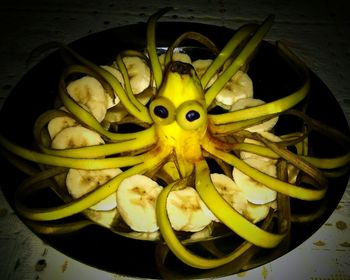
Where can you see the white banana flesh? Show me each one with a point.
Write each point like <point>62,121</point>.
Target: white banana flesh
<point>236,197</point>
<point>90,94</point>
<point>59,123</point>
<point>80,182</point>
<point>76,137</point>
<point>136,200</point>
<point>268,135</point>
<point>240,86</point>
<point>138,72</point>
<point>185,210</point>
<point>252,102</point>
<point>112,101</point>
<point>229,190</point>
<point>256,192</point>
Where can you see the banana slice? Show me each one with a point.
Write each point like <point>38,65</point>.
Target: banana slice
<point>254,191</point>
<point>58,124</point>
<point>201,65</point>
<point>111,102</point>
<point>80,182</point>
<point>185,210</point>
<point>268,135</point>
<point>240,86</point>
<point>138,72</point>
<point>75,137</point>
<point>252,102</point>
<point>256,213</point>
<point>90,94</point>
<point>229,190</point>
<point>136,200</point>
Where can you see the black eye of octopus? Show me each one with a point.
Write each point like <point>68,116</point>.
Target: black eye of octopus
<point>161,112</point>
<point>192,115</point>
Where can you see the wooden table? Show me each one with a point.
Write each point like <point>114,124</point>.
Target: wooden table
<point>317,30</point>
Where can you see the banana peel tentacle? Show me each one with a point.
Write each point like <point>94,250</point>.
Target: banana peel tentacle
<point>230,217</point>
<point>271,182</point>
<point>153,159</point>
<point>239,61</point>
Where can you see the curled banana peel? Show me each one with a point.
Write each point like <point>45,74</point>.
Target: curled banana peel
<point>178,144</point>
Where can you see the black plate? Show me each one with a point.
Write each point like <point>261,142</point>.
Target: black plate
<point>101,248</point>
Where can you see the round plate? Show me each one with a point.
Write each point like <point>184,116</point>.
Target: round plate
<point>105,250</point>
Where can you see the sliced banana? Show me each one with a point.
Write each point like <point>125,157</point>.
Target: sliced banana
<point>90,94</point>
<point>136,200</point>
<point>229,190</point>
<point>201,65</point>
<point>240,86</point>
<point>111,102</point>
<point>76,137</point>
<point>268,135</point>
<point>138,72</point>
<point>80,182</point>
<point>257,212</point>
<point>185,210</point>
<point>254,191</point>
<point>252,102</point>
<point>59,123</point>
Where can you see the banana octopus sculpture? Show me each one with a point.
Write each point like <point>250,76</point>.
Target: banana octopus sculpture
<point>157,174</point>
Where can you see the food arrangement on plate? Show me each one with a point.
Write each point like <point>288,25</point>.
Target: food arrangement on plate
<point>163,146</point>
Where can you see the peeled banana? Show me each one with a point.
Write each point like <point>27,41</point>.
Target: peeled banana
<point>90,94</point>
<point>256,192</point>
<point>136,200</point>
<point>76,137</point>
<point>80,182</point>
<point>240,86</point>
<point>185,210</point>
<point>252,102</point>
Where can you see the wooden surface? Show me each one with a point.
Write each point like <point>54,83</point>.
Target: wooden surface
<point>318,31</point>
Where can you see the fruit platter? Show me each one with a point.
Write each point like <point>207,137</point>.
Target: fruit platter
<point>185,150</point>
